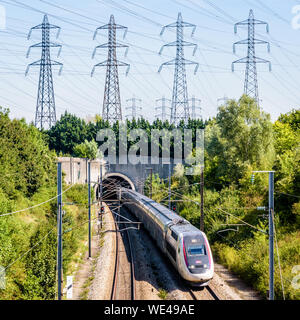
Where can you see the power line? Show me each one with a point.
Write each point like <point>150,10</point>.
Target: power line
<point>180,105</point>
<point>24,254</point>
<point>134,108</point>
<point>45,115</point>
<point>37,205</point>
<point>287,194</point>
<point>112,110</point>
<point>251,85</point>
<point>163,115</point>
<point>195,104</point>
<point>248,224</point>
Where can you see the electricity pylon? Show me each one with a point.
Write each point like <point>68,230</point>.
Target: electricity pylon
<point>134,108</point>
<point>180,105</point>
<point>45,115</point>
<point>222,101</point>
<point>112,110</point>
<point>195,105</point>
<point>163,115</point>
<point>251,85</point>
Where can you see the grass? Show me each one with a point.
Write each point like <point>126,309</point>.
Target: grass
<point>86,287</point>
<point>162,294</point>
<point>89,281</point>
<point>251,263</point>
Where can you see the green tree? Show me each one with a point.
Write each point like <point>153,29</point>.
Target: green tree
<point>41,265</point>
<point>238,140</point>
<point>287,164</point>
<point>67,133</point>
<point>25,161</point>
<point>88,149</point>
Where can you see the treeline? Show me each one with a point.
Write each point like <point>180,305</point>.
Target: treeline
<point>73,136</point>
<point>28,239</point>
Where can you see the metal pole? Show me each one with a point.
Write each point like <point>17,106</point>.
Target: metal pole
<point>59,232</point>
<point>202,200</point>
<point>119,202</point>
<point>89,191</point>
<point>170,173</point>
<point>86,170</point>
<point>71,170</point>
<point>101,193</point>
<point>271,235</point>
<point>151,183</point>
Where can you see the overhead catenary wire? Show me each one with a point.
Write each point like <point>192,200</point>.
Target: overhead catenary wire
<point>287,194</point>
<point>24,254</point>
<point>37,205</point>
<point>248,224</point>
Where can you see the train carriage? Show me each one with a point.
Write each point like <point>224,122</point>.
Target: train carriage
<point>185,246</point>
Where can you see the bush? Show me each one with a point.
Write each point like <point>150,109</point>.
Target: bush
<point>251,262</point>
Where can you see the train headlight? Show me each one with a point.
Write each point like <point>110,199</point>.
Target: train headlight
<point>205,266</point>
<point>192,267</point>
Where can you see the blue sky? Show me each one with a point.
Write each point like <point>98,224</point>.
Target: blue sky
<point>78,93</point>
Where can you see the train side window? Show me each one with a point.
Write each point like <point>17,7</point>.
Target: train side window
<point>171,251</point>
<point>174,235</point>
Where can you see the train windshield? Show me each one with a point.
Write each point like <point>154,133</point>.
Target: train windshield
<point>196,251</point>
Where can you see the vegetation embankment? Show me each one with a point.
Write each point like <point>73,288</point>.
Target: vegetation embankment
<point>28,178</point>
<point>239,140</point>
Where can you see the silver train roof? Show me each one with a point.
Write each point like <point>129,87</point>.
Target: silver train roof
<point>181,224</point>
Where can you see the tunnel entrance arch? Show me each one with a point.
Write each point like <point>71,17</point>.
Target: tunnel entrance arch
<point>112,182</point>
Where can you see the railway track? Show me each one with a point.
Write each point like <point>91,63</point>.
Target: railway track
<point>206,294</point>
<point>122,287</point>
<point>124,247</point>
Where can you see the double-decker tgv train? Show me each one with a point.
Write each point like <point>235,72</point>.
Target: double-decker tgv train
<point>186,246</point>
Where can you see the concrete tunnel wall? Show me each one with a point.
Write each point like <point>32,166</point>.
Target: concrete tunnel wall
<point>76,171</point>
<point>122,176</point>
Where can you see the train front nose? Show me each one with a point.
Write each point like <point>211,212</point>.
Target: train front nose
<point>197,255</point>
<point>197,266</point>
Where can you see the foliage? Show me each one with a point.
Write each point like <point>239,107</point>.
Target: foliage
<point>67,133</point>
<point>287,163</point>
<point>71,131</point>
<point>87,150</point>
<point>28,239</point>
<point>25,161</point>
<point>238,140</point>
<point>41,265</point>
<point>250,261</point>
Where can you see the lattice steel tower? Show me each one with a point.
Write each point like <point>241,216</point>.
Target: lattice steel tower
<point>195,105</point>
<point>45,116</point>
<point>112,110</point>
<point>134,108</point>
<point>180,105</point>
<point>251,85</point>
<point>163,115</point>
